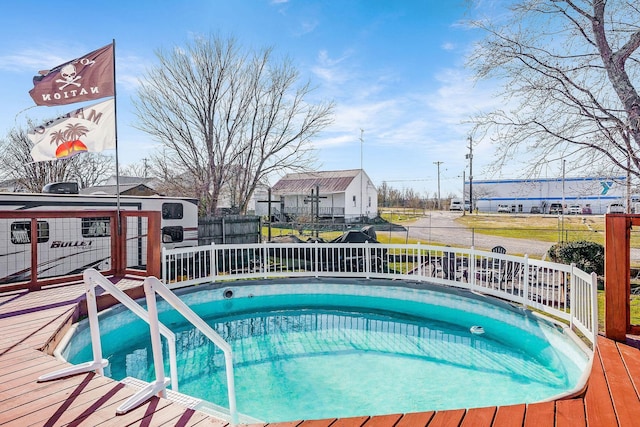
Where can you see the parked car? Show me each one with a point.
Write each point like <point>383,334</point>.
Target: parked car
<point>535,209</point>
<point>575,209</point>
<point>586,210</point>
<point>616,208</point>
<point>504,209</point>
<point>556,208</point>
<point>456,205</point>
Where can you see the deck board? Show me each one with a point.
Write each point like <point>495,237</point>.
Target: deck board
<point>540,415</point>
<point>383,420</point>
<point>479,417</point>
<point>447,418</point>
<point>570,413</point>
<point>623,395</point>
<point>345,422</point>
<point>631,359</point>
<point>597,400</point>
<point>509,416</point>
<point>318,423</point>
<point>419,419</point>
<point>28,320</point>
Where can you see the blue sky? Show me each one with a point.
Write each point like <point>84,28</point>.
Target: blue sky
<point>393,68</point>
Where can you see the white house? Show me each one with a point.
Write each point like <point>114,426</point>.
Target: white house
<point>344,195</point>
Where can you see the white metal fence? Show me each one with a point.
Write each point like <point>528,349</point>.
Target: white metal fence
<point>563,291</point>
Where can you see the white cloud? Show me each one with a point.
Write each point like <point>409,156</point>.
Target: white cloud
<point>130,69</point>
<point>30,60</point>
<point>330,70</point>
<point>307,27</point>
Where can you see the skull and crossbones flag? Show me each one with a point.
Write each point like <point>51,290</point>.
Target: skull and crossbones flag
<point>82,79</point>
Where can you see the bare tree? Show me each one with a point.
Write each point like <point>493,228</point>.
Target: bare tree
<point>140,170</point>
<point>568,68</point>
<point>86,169</point>
<point>227,118</point>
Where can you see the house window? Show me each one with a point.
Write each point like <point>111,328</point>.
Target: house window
<point>354,201</point>
<point>21,232</point>
<point>369,201</point>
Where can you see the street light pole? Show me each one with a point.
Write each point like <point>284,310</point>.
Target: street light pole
<point>439,199</point>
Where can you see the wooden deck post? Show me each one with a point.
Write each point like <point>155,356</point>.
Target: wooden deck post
<point>154,245</point>
<point>616,272</point>
<point>617,277</point>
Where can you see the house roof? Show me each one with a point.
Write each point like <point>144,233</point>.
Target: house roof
<point>124,189</point>
<point>328,182</point>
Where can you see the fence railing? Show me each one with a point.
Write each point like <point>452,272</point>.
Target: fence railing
<point>563,291</point>
<point>49,247</point>
<point>325,211</point>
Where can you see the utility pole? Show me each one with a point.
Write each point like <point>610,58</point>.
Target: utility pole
<point>470,157</point>
<point>464,199</point>
<point>439,199</point>
<point>564,162</point>
<point>361,174</point>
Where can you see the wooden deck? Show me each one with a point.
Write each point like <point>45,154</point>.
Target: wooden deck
<point>31,321</point>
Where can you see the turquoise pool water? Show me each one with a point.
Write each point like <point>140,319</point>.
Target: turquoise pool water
<point>324,350</point>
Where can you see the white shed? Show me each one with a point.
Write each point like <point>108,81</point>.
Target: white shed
<point>344,194</point>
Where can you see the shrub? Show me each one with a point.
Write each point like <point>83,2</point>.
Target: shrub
<point>587,256</point>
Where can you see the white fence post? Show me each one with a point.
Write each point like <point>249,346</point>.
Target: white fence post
<point>525,285</point>
<point>472,267</point>
<point>572,296</point>
<point>213,262</point>
<point>594,307</point>
<point>265,260</point>
<point>367,260</point>
<point>163,258</point>
<point>316,252</point>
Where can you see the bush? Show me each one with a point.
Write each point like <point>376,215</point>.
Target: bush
<point>587,256</point>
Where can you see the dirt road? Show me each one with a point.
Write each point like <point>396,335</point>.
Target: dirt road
<point>440,227</point>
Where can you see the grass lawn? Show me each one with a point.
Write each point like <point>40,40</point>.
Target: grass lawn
<point>540,227</point>
<point>635,310</point>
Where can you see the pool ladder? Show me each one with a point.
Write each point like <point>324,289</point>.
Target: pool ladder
<point>152,286</point>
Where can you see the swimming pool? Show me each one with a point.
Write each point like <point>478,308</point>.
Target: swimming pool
<point>338,348</point>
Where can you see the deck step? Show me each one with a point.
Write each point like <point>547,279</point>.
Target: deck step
<point>194,403</point>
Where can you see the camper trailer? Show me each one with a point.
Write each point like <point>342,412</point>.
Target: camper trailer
<point>72,244</point>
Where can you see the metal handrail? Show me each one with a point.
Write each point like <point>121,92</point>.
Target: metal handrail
<point>91,278</point>
<point>152,286</point>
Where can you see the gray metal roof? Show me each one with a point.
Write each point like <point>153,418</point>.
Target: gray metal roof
<point>303,183</point>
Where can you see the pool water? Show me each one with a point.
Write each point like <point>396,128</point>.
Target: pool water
<point>338,350</point>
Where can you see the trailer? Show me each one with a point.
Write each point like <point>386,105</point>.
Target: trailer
<point>68,244</point>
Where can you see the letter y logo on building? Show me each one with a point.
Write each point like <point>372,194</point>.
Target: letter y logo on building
<point>606,185</point>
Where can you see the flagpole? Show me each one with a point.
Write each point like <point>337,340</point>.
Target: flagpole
<point>115,113</point>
